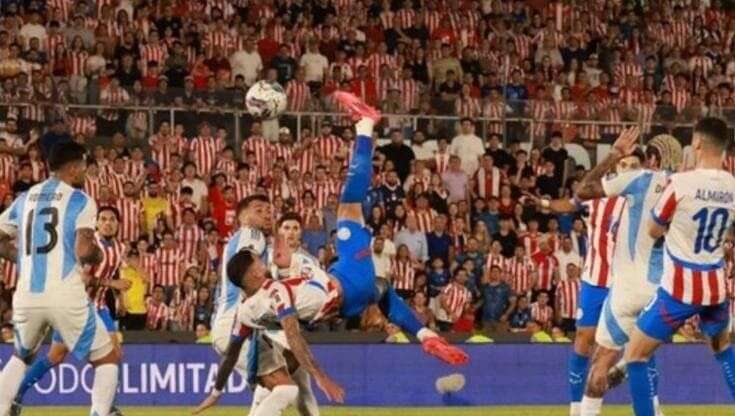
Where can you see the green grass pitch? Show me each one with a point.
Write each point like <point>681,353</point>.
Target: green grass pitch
<point>395,411</point>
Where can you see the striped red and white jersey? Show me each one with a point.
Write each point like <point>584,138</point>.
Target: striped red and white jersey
<point>680,98</point>
<point>115,181</point>
<point>328,146</point>
<point>161,151</point>
<point>604,214</point>
<point>424,219</point>
<point>148,264</point>
<point>92,185</point>
<point>219,39</point>
<point>384,85</point>
<point>262,149</point>
<point>698,207</point>
<point>243,189</point>
<point>567,296</point>
<point>130,211</point>
<point>521,272</point>
<point>113,252</point>
<point>322,191</point>
<point>158,315</point>
<point>457,298</point>
<point>63,6</point>
<point>530,241</point>
<point>376,60</point>
<point>356,62</point>
<point>177,209</point>
<point>403,274</point>
<point>614,117</point>
<point>702,62</point>
<point>523,45</point>
<point>113,96</point>
<point>406,18</point>
<point>183,304</point>
<point>495,260</point>
<point>442,162</point>
<point>546,265</point>
<point>157,53</point>
<point>8,274</point>
<point>410,92</point>
<point>541,110</point>
<point>204,151</point>
<point>136,169</point>
<point>467,107</point>
<point>298,93</point>
<point>77,62</point>
<point>189,237</point>
<point>226,166</point>
<point>306,159</point>
<point>284,151</point>
<point>488,182</point>
<point>543,314</point>
<point>168,266</point>
<point>432,20</point>
<point>86,125</point>
<point>624,70</point>
<point>51,42</point>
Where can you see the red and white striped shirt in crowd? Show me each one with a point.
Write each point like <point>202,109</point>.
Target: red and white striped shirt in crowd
<point>298,93</point>
<point>157,315</point>
<point>457,298</point>
<point>495,259</point>
<point>322,191</point>
<point>530,241</point>
<point>262,149</point>
<point>8,274</point>
<point>51,42</point>
<point>384,85</point>
<point>283,151</point>
<point>328,146</point>
<point>543,314</point>
<point>614,117</point>
<point>178,207</point>
<point>157,53</point>
<point>467,107</point>
<point>218,39</point>
<point>169,262</point>
<point>92,185</point>
<point>406,18</point>
<point>204,151</point>
<point>603,213</point>
<point>356,62</point>
<point>488,182</point>
<point>77,61</point>
<point>306,159</point>
<point>135,169</point>
<point>703,62</point>
<point>403,274</point>
<point>183,308</point>
<point>424,219</point>
<point>161,151</point>
<point>113,96</point>
<point>113,252</point>
<point>243,189</point>
<point>189,237</point>
<point>63,6</point>
<point>442,162</point>
<point>523,45</point>
<point>130,222</point>
<point>680,98</point>
<point>116,181</point>
<point>567,297</point>
<point>546,265</point>
<point>540,110</point>
<point>624,70</point>
<point>386,19</point>
<point>496,111</point>
<point>521,274</point>
<point>432,20</point>
<point>86,125</point>
<point>377,60</point>
<point>409,93</point>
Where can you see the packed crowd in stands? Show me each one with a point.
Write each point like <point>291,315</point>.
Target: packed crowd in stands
<point>452,229</point>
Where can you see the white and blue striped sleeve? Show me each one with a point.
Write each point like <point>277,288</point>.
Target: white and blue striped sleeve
<point>619,184</point>
<point>88,215</point>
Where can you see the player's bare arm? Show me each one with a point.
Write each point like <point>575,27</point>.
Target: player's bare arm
<point>8,251</point>
<point>562,206</point>
<point>229,359</point>
<point>591,185</point>
<point>87,250</point>
<point>301,351</point>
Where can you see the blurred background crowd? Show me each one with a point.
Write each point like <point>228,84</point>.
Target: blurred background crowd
<point>485,101</point>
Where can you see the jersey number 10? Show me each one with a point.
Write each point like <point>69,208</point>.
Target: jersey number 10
<point>708,220</point>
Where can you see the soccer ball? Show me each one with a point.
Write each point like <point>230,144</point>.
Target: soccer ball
<point>266,100</point>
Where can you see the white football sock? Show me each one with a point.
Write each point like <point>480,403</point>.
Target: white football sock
<point>280,398</point>
<point>306,402</point>
<point>591,406</point>
<point>657,406</point>
<point>259,395</point>
<point>10,381</point>
<point>575,408</point>
<point>104,388</point>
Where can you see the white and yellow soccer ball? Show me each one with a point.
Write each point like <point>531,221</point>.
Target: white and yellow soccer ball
<point>266,100</point>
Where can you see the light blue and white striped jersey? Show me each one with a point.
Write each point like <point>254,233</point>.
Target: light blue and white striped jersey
<point>299,259</point>
<point>637,264</point>
<point>228,295</point>
<point>45,220</point>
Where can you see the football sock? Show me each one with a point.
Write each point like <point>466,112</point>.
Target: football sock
<point>38,369</point>
<point>280,398</point>
<point>104,389</point>
<point>306,402</point>
<point>259,395</point>
<point>591,406</point>
<point>360,171</point>
<point>641,387</point>
<point>578,366</point>
<point>397,312</point>
<point>10,379</point>
<point>726,359</point>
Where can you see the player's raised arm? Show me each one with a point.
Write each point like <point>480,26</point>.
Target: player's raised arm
<point>561,206</point>
<point>229,359</point>
<point>303,355</point>
<point>591,186</point>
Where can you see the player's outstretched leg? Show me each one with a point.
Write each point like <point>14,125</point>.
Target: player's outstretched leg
<point>40,367</point>
<point>578,367</point>
<point>10,381</point>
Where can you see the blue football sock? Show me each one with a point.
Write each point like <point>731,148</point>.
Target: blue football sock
<point>37,370</point>
<point>397,312</point>
<point>360,172</point>
<point>640,388</point>
<point>653,375</point>
<point>578,366</point>
<point>727,362</point>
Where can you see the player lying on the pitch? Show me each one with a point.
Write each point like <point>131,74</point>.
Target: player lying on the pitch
<point>346,291</point>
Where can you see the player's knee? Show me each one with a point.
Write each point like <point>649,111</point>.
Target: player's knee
<point>720,342</point>
<point>381,287</point>
<point>584,341</point>
<point>277,378</point>
<point>57,353</point>
<point>106,355</point>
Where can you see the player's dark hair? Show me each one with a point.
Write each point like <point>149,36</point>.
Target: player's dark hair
<point>247,201</point>
<point>289,216</point>
<point>65,153</point>
<point>109,208</point>
<point>238,266</point>
<point>714,130</point>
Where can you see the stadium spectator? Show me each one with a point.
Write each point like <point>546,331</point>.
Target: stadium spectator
<point>134,311</point>
<point>454,299</point>
<point>497,298</point>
